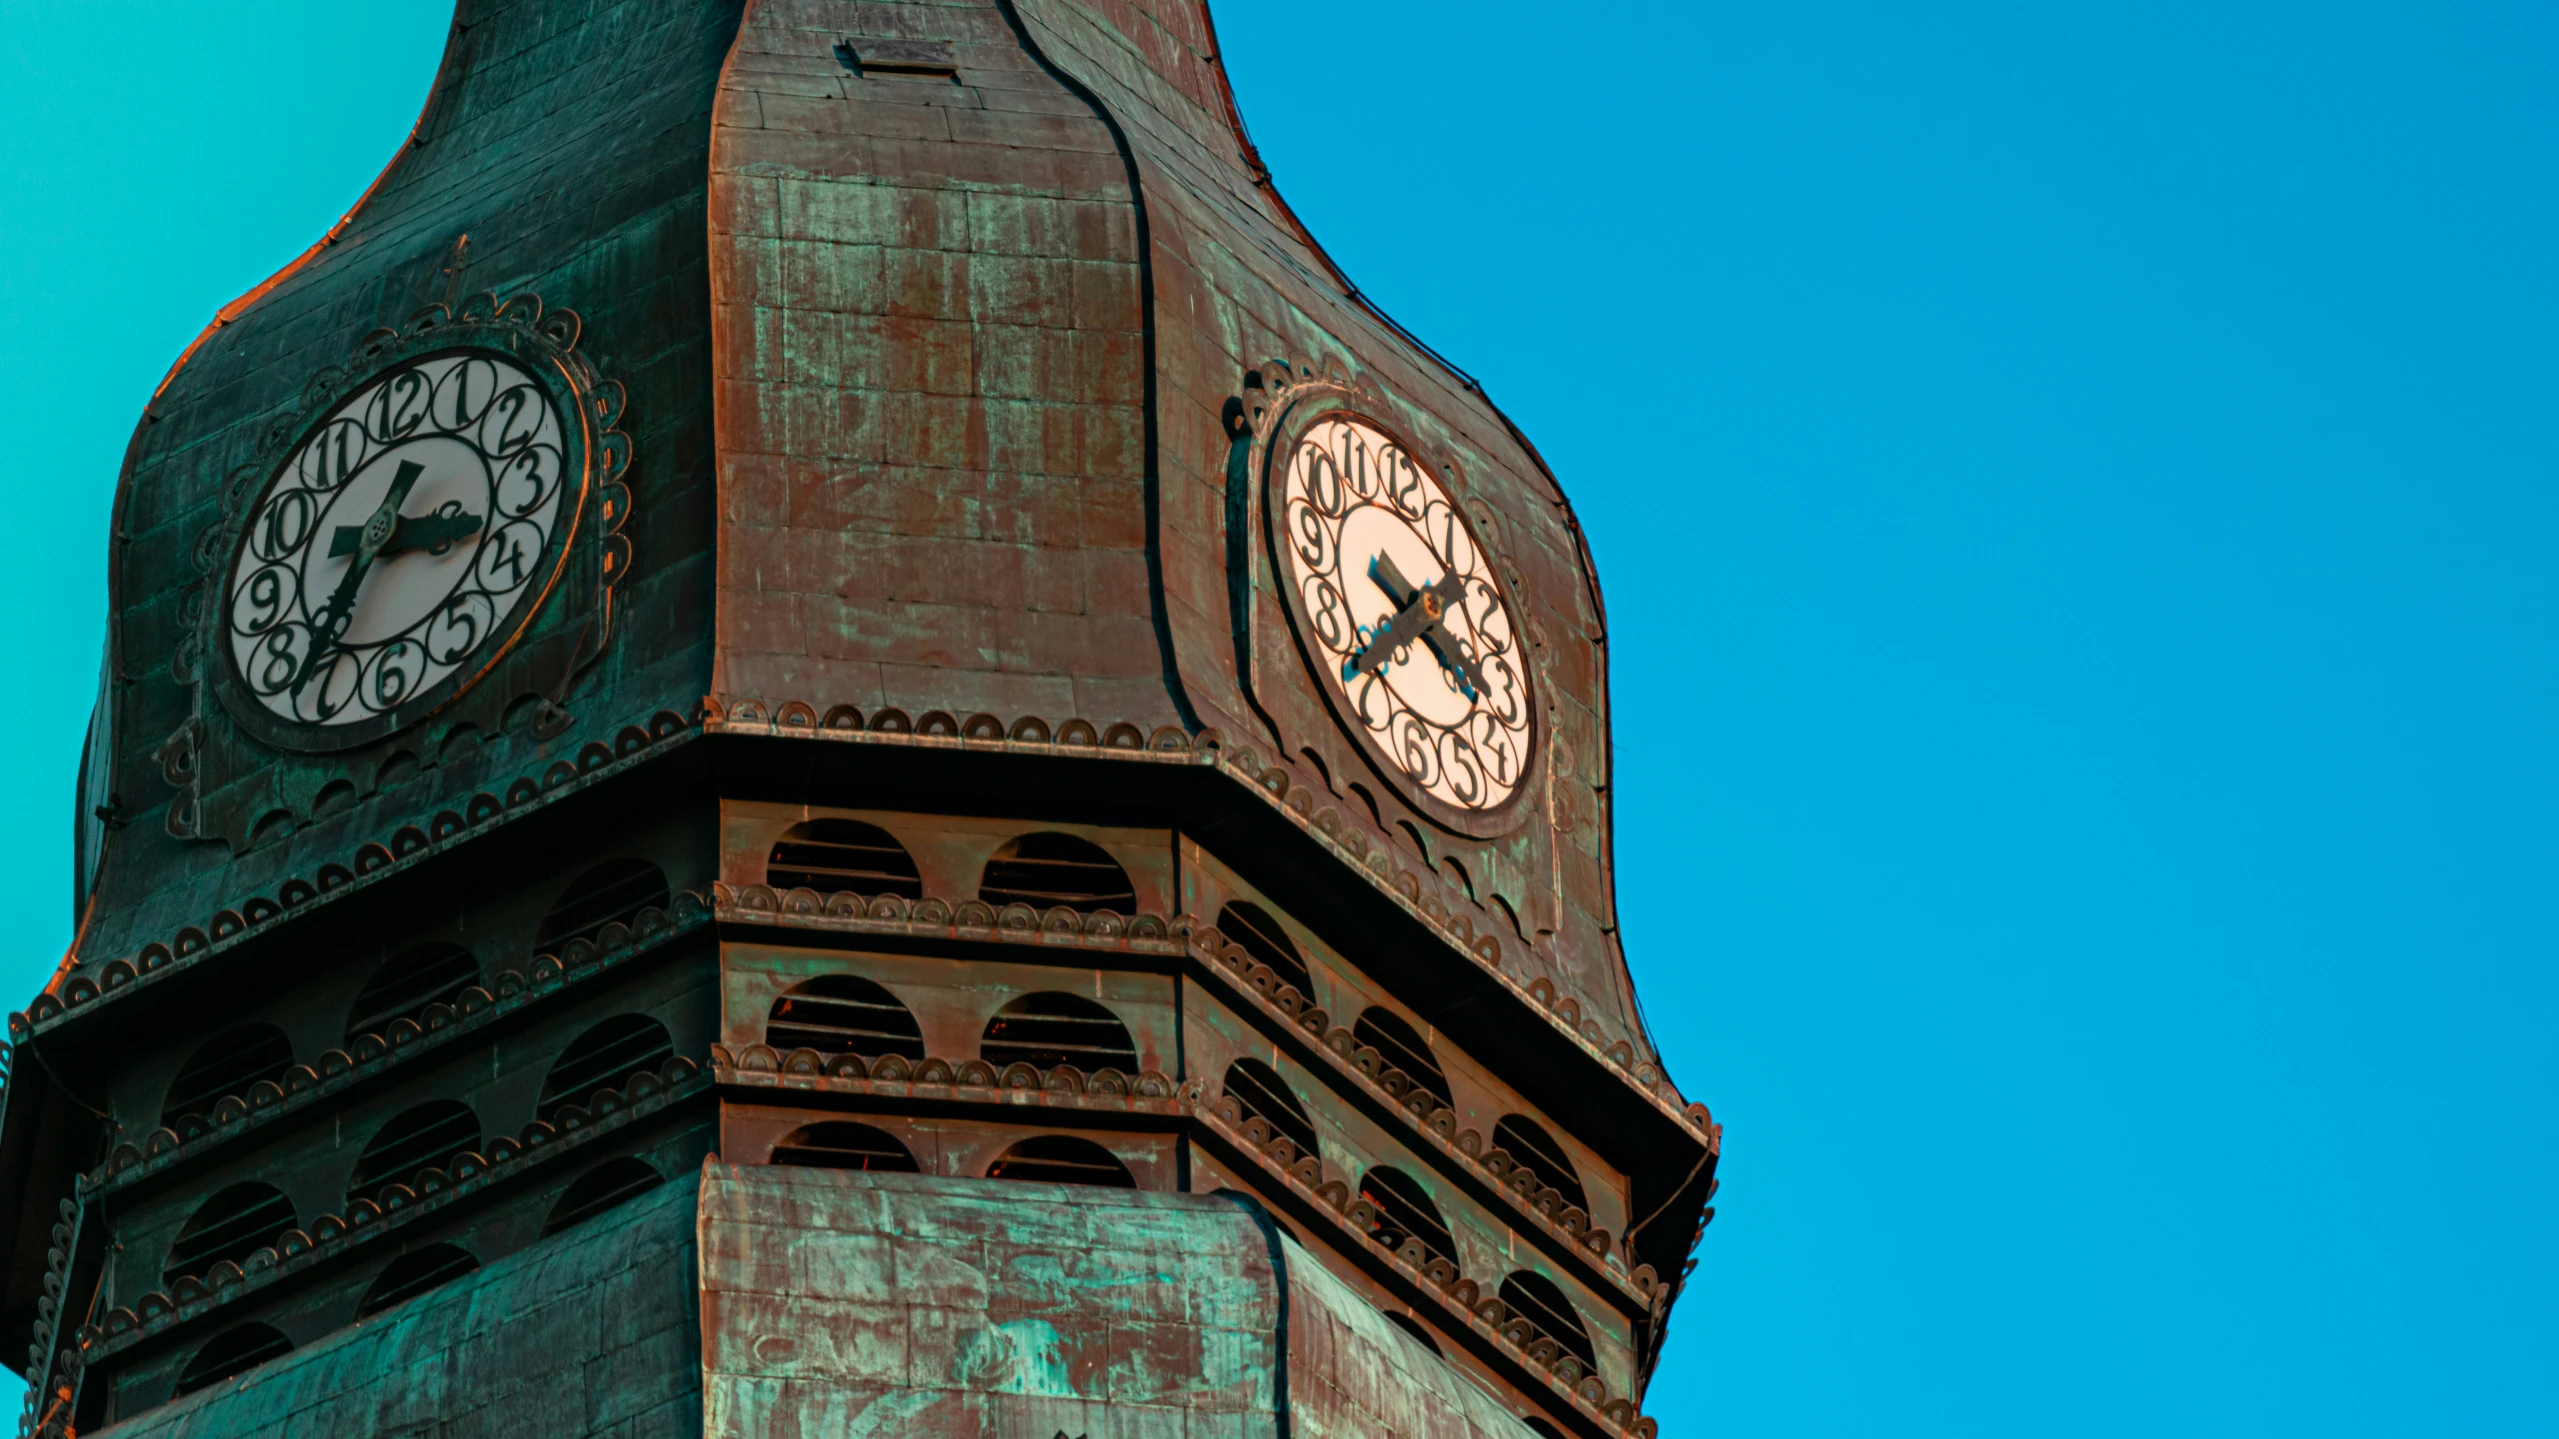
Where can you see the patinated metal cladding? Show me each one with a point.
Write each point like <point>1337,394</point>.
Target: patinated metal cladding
<point>597,1333</point>
<point>987,346</point>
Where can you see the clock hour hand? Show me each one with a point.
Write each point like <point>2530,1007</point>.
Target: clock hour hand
<point>332,619</point>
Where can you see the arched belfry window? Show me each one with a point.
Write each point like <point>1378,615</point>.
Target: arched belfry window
<point>1535,1298</point>
<point>844,1144</point>
<point>1062,1159</point>
<point>408,983</point>
<point>611,892</point>
<point>615,1181</point>
<point>225,1065</point>
<point>1536,1150</point>
<point>843,1014</point>
<point>1053,1028</point>
<point>232,1353</point>
<point>1402,1047</point>
<point>1262,1094</point>
<point>424,1136</point>
<point>1253,928</point>
<point>605,1057</point>
<point>832,855</point>
<point>413,1274</point>
<point>1048,868</point>
<point>1405,1212</point>
<point>234,1224</point>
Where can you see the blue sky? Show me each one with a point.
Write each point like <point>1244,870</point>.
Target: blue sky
<point>2074,487</point>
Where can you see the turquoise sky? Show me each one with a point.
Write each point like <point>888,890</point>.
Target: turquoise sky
<point>2075,491</point>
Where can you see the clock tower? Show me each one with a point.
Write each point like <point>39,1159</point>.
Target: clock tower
<point>816,733</point>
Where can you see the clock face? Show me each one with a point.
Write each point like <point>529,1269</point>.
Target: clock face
<point>1403,616</point>
<point>400,544</point>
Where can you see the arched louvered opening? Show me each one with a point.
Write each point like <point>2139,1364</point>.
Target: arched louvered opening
<point>1412,1326</point>
<point>843,1144</point>
<point>1049,868</point>
<point>1263,1095</point>
<point>831,855</point>
<point>232,1353</point>
<point>424,1136</point>
<point>413,1274</point>
<point>1062,1159</point>
<point>1405,1212</point>
<point>1402,1048</point>
<point>234,1224</point>
<point>225,1065</point>
<point>611,892</point>
<point>1053,1028</point>
<point>408,983</point>
<point>605,1057</point>
<point>1537,1152</point>
<point>599,1189</point>
<point>843,1014</point>
<point>1535,1298</point>
<point>1250,925</point>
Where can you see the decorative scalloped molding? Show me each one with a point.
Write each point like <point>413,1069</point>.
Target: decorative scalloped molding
<point>375,1055</point>
<point>332,1236</point>
<point>975,1080</point>
<point>85,985</point>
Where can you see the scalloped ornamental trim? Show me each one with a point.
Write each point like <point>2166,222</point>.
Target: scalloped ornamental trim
<point>333,1235</point>
<point>43,1361</point>
<point>338,1071</point>
<point>404,849</point>
<point>1167,744</point>
<point>1216,960</point>
<point>1587,1393</point>
<point>969,1080</point>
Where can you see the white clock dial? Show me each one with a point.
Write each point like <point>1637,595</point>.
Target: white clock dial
<point>1403,614</point>
<point>399,541</point>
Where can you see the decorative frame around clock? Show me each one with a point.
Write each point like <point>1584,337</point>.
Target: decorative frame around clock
<point>583,557</point>
<point>1276,417</point>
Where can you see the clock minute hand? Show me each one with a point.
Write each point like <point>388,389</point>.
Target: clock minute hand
<point>333,617</point>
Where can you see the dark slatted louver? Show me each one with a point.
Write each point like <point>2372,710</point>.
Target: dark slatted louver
<point>615,890</point>
<point>413,1274</point>
<point>1529,1143</point>
<point>1535,1298</point>
<point>831,855</point>
<point>232,1353</point>
<point>1405,1211</point>
<point>1062,1159</point>
<point>1403,1048</point>
<point>407,983</point>
<point>226,1065</point>
<point>425,1136</point>
<point>1265,1096</point>
<point>843,1144</point>
<point>605,1057</point>
<point>615,1181</point>
<point>1052,1028</point>
<point>1047,869</point>
<point>843,1014</point>
<point>234,1224</point>
<point>1251,926</point>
